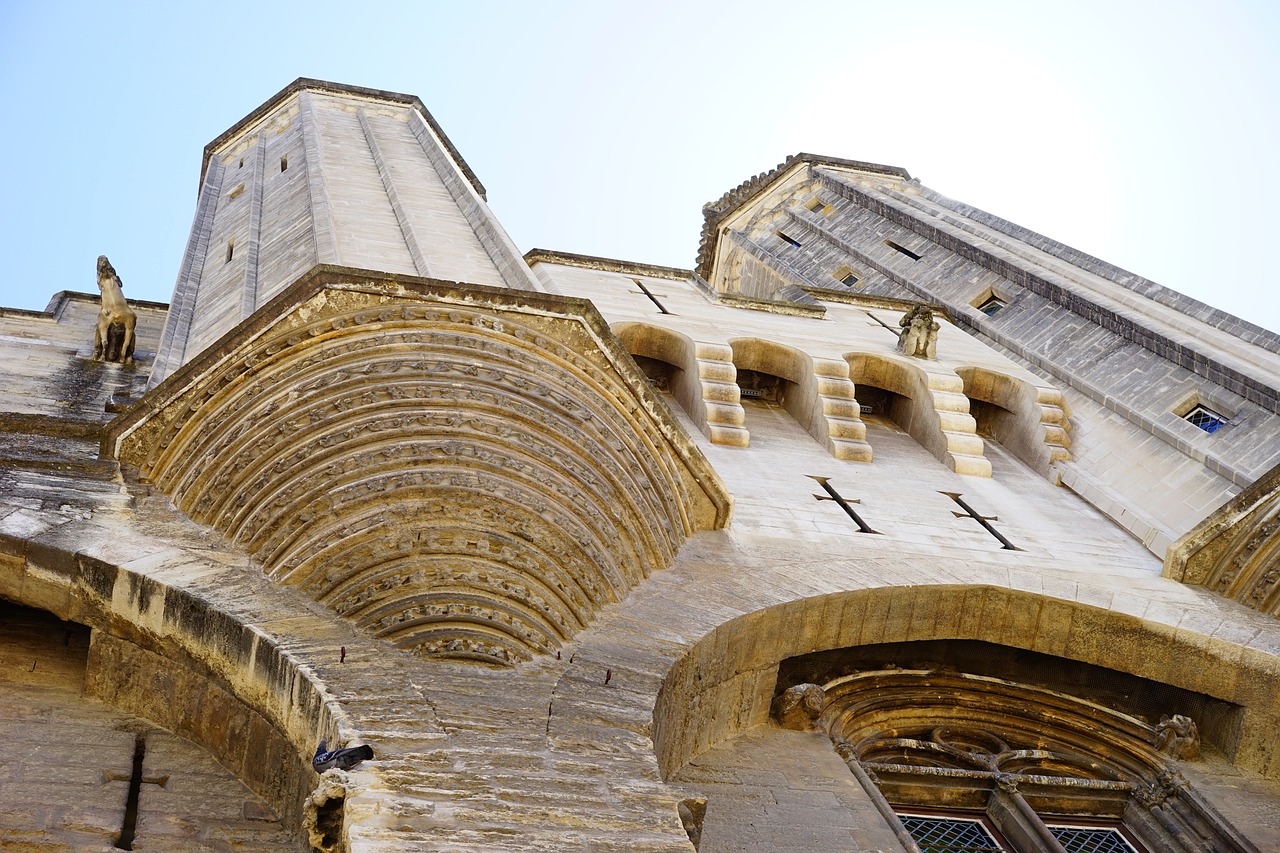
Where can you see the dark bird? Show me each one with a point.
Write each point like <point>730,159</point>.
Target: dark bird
<point>343,759</point>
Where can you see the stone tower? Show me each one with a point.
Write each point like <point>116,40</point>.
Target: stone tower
<point>327,174</point>
<point>890,526</point>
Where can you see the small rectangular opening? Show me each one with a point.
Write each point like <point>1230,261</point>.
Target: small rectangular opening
<point>817,205</point>
<point>235,193</point>
<point>902,250</point>
<point>991,305</point>
<point>284,163</point>
<point>231,249</point>
<point>1205,418</point>
<point>791,241</point>
<point>847,277</point>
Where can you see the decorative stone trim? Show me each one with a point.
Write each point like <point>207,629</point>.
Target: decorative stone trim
<point>463,472</point>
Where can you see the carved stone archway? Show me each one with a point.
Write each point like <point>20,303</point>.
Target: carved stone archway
<point>1035,762</point>
<point>466,472</point>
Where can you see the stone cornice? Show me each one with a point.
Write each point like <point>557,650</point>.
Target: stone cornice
<point>594,262</point>
<point>59,300</point>
<point>866,300</point>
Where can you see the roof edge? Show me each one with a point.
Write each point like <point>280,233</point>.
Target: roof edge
<point>596,262</point>
<point>717,211</point>
<point>313,85</point>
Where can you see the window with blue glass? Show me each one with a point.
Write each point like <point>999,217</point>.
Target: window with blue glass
<point>1205,418</point>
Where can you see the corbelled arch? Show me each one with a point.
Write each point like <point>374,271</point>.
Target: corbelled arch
<point>723,684</point>
<point>824,402</point>
<point>1029,420</point>
<point>466,472</point>
<point>937,415</point>
<point>703,383</point>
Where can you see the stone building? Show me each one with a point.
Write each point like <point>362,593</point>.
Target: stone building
<point>890,526</point>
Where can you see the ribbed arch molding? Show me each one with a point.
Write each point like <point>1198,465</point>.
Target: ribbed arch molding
<point>466,472</point>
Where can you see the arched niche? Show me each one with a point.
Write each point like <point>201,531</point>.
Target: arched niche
<point>1027,420</point>
<point>85,773</point>
<point>699,376</point>
<point>1028,762</point>
<point>713,709</point>
<point>816,392</point>
<point>928,406</point>
<point>172,655</point>
<point>736,665</point>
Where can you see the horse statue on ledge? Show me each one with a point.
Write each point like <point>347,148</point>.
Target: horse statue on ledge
<point>114,339</point>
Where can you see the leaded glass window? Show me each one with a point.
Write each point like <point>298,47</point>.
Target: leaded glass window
<point>1080,839</point>
<point>1205,418</point>
<point>950,835</point>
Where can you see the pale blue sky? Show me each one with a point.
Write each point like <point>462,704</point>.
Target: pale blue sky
<point>1142,132</point>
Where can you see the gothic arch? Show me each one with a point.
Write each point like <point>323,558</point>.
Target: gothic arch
<point>824,401</point>
<point>723,684</point>
<point>1030,760</point>
<point>1029,420</point>
<point>703,383</point>
<point>937,414</point>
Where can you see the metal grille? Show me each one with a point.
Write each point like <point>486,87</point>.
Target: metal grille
<point>950,835</point>
<point>1080,840</point>
<point>1207,419</point>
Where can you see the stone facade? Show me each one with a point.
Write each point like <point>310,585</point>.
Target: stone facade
<point>602,555</point>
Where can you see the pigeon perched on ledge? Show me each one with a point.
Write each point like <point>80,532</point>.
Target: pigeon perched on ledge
<point>343,759</point>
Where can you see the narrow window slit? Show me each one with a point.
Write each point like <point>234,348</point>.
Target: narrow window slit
<point>843,502</point>
<point>902,249</point>
<point>984,520</point>
<point>640,284</point>
<point>284,163</point>
<point>129,826</point>
<point>791,241</point>
<point>231,249</point>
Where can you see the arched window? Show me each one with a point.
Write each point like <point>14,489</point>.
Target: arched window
<point>964,762</point>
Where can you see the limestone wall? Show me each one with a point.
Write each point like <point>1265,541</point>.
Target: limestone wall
<point>325,174</point>
<point>1129,360</point>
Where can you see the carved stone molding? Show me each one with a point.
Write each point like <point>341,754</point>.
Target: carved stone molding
<point>932,739</point>
<point>463,471</point>
<point>1235,551</point>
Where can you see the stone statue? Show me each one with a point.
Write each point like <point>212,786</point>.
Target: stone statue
<point>919,334</point>
<point>798,707</point>
<point>114,339</point>
<point>1178,737</point>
